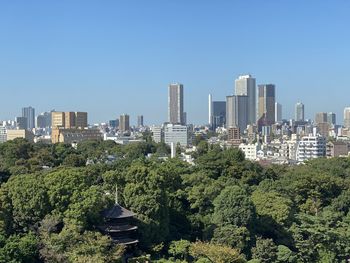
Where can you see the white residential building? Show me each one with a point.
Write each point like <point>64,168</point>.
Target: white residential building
<point>3,134</point>
<point>174,133</point>
<point>311,147</point>
<point>250,150</point>
<point>157,134</point>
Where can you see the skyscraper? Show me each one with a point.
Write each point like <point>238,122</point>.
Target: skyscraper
<point>278,112</point>
<point>29,113</point>
<point>299,112</point>
<point>331,118</point>
<point>321,117</point>
<point>124,124</point>
<point>176,104</point>
<point>140,121</point>
<point>266,105</point>
<point>347,117</point>
<point>245,86</point>
<point>218,114</point>
<point>210,110</point>
<point>236,109</point>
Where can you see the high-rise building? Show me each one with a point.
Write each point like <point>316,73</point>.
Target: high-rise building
<point>320,117</point>
<point>245,86</point>
<point>299,112</point>
<point>347,117</point>
<point>124,122</point>
<point>43,120</point>
<point>21,123</point>
<point>218,114</point>
<point>176,104</point>
<point>210,110</point>
<point>140,121</point>
<point>331,118</point>
<point>236,109</point>
<point>266,105</point>
<point>278,112</point>
<point>29,113</point>
<point>69,119</point>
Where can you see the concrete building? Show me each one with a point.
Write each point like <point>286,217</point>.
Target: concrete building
<point>336,149</point>
<point>69,120</point>
<point>140,121</point>
<point>347,117</point>
<point>266,105</point>
<point>311,147</point>
<point>43,120</point>
<point>245,86</point>
<point>29,114</point>
<point>278,112</point>
<point>210,110</point>
<point>250,150</point>
<point>323,129</point>
<point>3,134</point>
<point>176,104</point>
<point>25,134</point>
<point>219,114</point>
<point>124,122</point>
<point>321,117</point>
<point>157,134</point>
<point>21,123</point>
<point>175,133</point>
<point>299,112</point>
<point>70,136</point>
<point>236,112</point>
<point>331,118</point>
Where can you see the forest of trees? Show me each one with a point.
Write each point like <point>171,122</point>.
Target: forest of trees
<point>222,209</point>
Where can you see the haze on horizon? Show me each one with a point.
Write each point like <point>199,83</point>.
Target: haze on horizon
<point>114,57</point>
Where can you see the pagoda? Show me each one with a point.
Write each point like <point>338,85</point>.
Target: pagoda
<point>118,223</point>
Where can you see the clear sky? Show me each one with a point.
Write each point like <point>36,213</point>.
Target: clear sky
<point>113,57</point>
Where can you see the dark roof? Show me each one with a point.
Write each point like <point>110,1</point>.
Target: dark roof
<point>117,211</point>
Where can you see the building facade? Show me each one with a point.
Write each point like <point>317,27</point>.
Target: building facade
<point>124,122</point>
<point>176,104</point>
<point>266,105</point>
<point>347,117</point>
<point>311,147</point>
<point>29,114</point>
<point>175,133</point>
<point>245,85</point>
<point>299,112</point>
<point>236,112</point>
<point>218,114</point>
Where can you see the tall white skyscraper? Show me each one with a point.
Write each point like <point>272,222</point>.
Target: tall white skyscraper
<point>176,104</point>
<point>299,112</point>
<point>278,112</point>
<point>29,114</point>
<point>245,86</point>
<point>347,117</point>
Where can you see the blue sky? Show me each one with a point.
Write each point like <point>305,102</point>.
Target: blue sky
<point>115,57</point>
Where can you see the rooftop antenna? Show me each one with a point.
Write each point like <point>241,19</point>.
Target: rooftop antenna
<point>116,194</point>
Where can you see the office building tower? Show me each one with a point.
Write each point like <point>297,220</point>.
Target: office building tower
<point>278,112</point>
<point>347,117</point>
<point>299,112</point>
<point>140,121</point>
<point>124,124</point>
<point>331,118</point>
<point>177,134</point>
<point>320,117</point>
<point>112,123</point>
<point>210,111</point>
<point>236,109</point>
<point>266,105</point>
<point>21,123</point>
<point>69,120</point>
<point>43,120</point>
<point>184,118</point>
<point>29,113</point>
<point>218,114</point>
<point>176,104</point>
<point>245,86</point>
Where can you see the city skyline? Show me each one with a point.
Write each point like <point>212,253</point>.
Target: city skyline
<point>59,48</point>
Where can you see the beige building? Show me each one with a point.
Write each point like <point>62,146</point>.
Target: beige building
<point>336,149</point>
<point>25,134</point>
<point>69,120</point>
<point>74,135</point>
<point>124,123</point>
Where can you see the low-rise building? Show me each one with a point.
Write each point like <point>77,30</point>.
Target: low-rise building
<point>250,150</point>
<point>3,134</point>
<point>22,133</point>
<point>74,135</point>
<point>338,148</point>
<point>175,133</point>
<point>311,147</point>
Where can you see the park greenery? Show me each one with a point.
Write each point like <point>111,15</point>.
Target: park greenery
<point>221,209</point>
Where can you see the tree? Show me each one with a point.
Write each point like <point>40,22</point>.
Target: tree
<point>232,236</point>
<point>265,250</point>
<point>215,253</point>
<point>233,206</point>
<point>180,248</point>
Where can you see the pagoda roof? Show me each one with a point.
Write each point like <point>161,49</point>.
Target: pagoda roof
<point>117,211</point>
